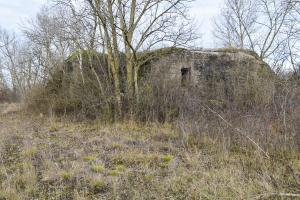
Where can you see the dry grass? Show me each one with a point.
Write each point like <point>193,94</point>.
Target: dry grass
<point>45,158</point>
<point>7,108</point>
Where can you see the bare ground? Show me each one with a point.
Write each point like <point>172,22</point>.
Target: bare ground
<point>44,158</point>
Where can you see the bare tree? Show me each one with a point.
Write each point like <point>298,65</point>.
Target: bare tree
<point>237,24</point>
<point>137,25</point>
<point>9,52</point>
<point>274,16</point>
<point>147,23</point>
<point>19,61</point>
<point>292,48</point>
<point>47,32</point>
<point>130,27</point>
<point>257,26</point>
<point>2,78</point>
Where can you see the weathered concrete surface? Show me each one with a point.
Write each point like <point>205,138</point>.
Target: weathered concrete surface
<point>237,74</point>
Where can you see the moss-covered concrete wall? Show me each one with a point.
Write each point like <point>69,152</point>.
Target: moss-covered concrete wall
<point>236,74</point>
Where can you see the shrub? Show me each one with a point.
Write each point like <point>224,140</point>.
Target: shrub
<point>7,95</point>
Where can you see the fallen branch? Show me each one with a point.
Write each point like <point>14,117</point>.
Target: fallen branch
<point>239,131</point>
<point>268,195</point>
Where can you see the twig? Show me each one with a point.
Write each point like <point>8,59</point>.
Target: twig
<point>239,131</point>
<point>267,195</point>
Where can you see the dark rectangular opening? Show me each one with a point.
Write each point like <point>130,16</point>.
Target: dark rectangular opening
<point>185,76</point>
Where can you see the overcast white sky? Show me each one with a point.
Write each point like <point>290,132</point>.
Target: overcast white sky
<point>14,12</point>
